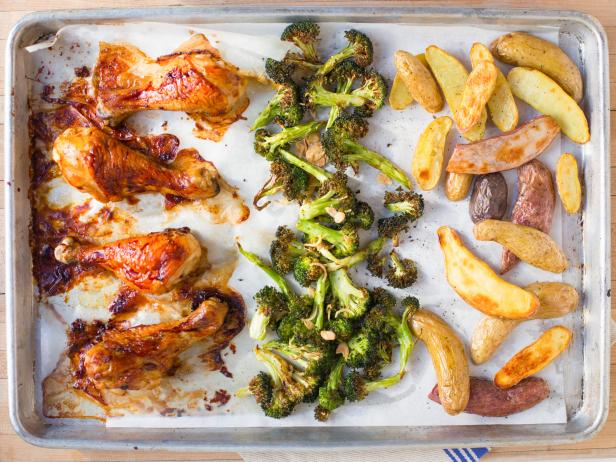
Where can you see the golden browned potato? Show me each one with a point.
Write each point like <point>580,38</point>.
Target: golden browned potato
<point>568,182</point>
<point>448,358</point>
<point>457,185</point>
<point>534,357</point>
<point>542,93</point>
<point>521,49</point>
<point>399,95</point>
<point>502,106</point>
<point>477,91</point>
<point>451,76</point>
<point>419,81</point>
<point>528,244</point>
<point>478,285</point>
<point>427,163</point>
<point>556,299</point>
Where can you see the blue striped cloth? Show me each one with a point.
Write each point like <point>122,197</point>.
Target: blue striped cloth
<point>465,455</point>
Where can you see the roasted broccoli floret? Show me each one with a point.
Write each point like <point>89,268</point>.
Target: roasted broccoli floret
<point>280,281</point>
<point>311,359</point>
<point>307,269</point>
<point>406,202</point>
<point>284,108</point>
<point>382,299</point>
<point>305,35</point>
<point>359,49</point>
<point>343,76</point>
<point>356,387</point>
<point>335,199</point>
<point>352,300</point>
<point>261,388</point>
<point>289,385</point>
<point>271,306</point>
<point>362,348</point>
<point>343,328</point>
<point>317,316</point>
<point>374,247</point>
<point>344,240</point>
<point>330,394</point>
<point>284,178</point>
<point>316,94</point>
<point>285,249</point>
<point>374,91</point>
<point>267,143</point>
<point>340,145</point>
<point>391,227</point>
<point>279,71</point>
<point>376,264</point>
<point>402,273</point>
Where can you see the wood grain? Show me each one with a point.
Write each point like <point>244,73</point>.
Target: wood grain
<point>13,449</point>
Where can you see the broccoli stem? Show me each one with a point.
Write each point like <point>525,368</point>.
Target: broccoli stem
<point>357,152</point>
<point>405,338</point>
<point>333,60</point>
<point>334,112</point>
<point>316,230</point>
<point>290,134</point>
<point>258,325</point>
<point>272,363</point>
<point>320,174</point>
<point>382,383</point>
<point>324,97</point>
<point>318,308</point>
<point>265,117</point>
<point>320,205</point>
<point>277,278</point>
<point>373,247</point>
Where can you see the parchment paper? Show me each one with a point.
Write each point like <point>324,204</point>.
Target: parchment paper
<point>393,133</point>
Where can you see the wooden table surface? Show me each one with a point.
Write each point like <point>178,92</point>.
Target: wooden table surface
<point>13,449</point>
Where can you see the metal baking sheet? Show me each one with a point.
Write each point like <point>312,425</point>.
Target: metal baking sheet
<point>579,35</point>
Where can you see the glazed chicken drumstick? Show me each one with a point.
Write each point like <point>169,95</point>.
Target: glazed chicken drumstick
<point>152,263</point>
<point>96,163</point>
<point>139,357</point>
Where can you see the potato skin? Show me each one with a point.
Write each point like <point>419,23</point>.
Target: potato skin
<point>521,49</point>
<point>419,81</point>
<point>457,185</point>
<point>448,358</point>
<point>528,244</point>
<point>489,197</point>
<point>556,299</point>
<point>534,357</point>
<point>488,400</point>
<point>534,206</point>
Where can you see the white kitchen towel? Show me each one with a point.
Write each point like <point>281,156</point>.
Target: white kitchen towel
<point>385,455</point>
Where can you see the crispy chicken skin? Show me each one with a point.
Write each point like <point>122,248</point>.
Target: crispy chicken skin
<point>96,163</point>
<point>137,358</point>
<point>152,263</point>
<point>192,79</point>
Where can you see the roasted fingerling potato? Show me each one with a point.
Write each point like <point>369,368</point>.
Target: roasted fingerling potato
<point>451,76</point>
<point>556,299</point>
<point>526,50</point>
<point>501,105</point>
<point>568,181</point>
<point>419,81</point>
<point>479,285</point>
<point>399,95</point>
<point>528,244</point>
<point>488,400</point>
<point>545,95</point>
<point>489,197</point>
<point>534,357</point>
<point>534,206</point>
<point>457,185</point>
<point>477,91</point>
<point>427,164</point>
<point>506,151</point>
<point>448,358</point>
